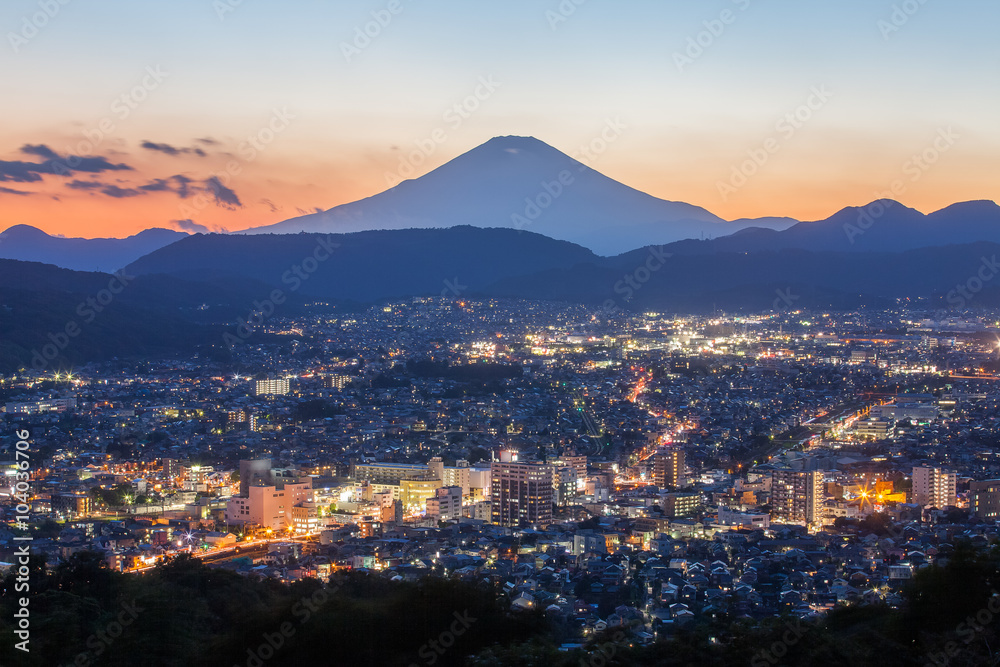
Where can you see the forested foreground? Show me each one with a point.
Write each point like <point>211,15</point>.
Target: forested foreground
<point>184,613</point>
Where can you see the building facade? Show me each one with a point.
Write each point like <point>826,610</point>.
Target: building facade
<point>797,496</point>
<point>935,487</point>
<point>521,493</point>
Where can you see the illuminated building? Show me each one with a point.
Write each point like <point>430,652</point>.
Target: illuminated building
<point>521,492</point>
<point>668,468</point>
<point>797,496</point>
<point>336,381</point>
<point>934,487</point>
<point>446,503</point>
<point>272,387</point>
<point>677,505</point>
<point>268,497</point>
<point>986,499</point>
<point>415,492</point>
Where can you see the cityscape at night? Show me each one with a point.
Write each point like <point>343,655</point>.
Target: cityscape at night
<point>482,334</point>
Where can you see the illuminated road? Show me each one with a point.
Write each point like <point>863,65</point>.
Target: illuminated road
<point>238,550</point>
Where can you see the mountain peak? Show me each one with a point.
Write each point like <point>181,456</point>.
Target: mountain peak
<point>513,142</point>
<point>22,232</point>
<point>506,150</point>
<point>973,207</point>
<point>521,182</point>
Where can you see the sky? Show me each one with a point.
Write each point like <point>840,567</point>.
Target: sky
<point>121,115</point>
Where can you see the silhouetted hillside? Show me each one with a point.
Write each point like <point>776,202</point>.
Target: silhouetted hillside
<point>367,266</point>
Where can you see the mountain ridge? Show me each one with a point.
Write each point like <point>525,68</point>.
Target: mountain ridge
<point>28,243</point>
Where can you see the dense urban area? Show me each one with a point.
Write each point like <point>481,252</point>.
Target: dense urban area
<point>605,486</point>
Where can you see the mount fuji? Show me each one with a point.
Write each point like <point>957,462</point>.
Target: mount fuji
<point>524,183</point>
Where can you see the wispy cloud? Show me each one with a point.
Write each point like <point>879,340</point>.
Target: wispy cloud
<point>121,193</point>
<point>41,150</point>
<point>189,225</point>
<point>84,185</point>
<point>19,171</point>
<point>172,150</point>
<point>224,196</point>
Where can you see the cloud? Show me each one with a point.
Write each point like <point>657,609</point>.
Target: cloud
<point>157,185</point>
<point>208,141</point>
<point>189,225</point>
<point>121,193</point>
<point>30,172</point>
<point>183,185</point>
<point>171,150</point>
<point>84,185</point>
<point>224,197</point>
<point>41,150</point>
<point>270,204</point>
<point>9,191</point>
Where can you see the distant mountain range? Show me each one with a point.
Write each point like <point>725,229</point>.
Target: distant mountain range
<point>31,244</point>
<point>367,266</point>
<point>881,226</point>
<point>524,183</point>
<point>182,297</point>
<point>72,317</point>
<point>468,261</point>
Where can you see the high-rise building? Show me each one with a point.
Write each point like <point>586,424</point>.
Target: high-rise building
<point>272,498</point>
<point>254,471</point>
<point>521,492</point>
<point>171,469</point>
<point>336,381</point>
<point>797,496</point>
<point>680,505</point>
<point>446,503</point>
<point>985,503</point>
<point>564,482</point>
<point>669,468</point>
<point>934,487</point>
<point>457,475</point>
<point>272,386</point>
